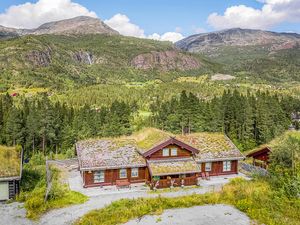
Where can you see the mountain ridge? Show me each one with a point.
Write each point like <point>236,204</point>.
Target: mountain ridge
<point>79,25</point>
<point>238,37</point>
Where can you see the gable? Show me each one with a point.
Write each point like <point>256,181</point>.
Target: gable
<point>170,142</point>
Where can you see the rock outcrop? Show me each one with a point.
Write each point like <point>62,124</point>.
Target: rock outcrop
<point>165,61</point>
<point>39,58</point>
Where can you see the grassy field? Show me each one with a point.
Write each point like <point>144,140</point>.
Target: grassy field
<point>255,198</point>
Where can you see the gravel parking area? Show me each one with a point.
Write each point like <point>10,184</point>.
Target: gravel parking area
<point>14,213</point>
<point>206,215</point>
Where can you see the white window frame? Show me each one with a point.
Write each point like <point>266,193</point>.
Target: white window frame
<point>122,173</point>
<point>208,166</point>
<point>166,152</point>
<point>174,151</point>
<point>226,166</point>
<point>134,172</point>
<point>99,176</point>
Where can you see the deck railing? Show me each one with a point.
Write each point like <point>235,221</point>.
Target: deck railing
<point>177,182</point>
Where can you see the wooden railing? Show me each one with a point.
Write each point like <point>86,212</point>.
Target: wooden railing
<point>177,182</point>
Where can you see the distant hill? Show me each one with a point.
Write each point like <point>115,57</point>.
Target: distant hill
<point>78,25</point>
<point>263,54</point>
<point>210,42</point>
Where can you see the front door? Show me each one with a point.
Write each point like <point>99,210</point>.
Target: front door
<point>4,194</point>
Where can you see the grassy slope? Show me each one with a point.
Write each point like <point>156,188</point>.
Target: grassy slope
<point>255,198</point>
<point>258,63</point>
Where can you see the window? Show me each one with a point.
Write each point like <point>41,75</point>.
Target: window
<point>174,152</point>
<point>99,176</point>
<point>208,166</point>
<point>226,166</point>
<point>134,172</point>
<point>166,152</point>
<point>123,173</point>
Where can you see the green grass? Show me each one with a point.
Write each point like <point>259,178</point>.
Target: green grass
<point>33,189</point>
<point>175,189</point>
<point>255,198</point>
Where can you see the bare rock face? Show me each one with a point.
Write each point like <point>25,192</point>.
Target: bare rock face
<point>39,58</point>
<point>165,61</point>
<point>84,57</point>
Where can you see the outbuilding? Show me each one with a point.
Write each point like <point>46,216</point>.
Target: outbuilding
<point>10,171</point>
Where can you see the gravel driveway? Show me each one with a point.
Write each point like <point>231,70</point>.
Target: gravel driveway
<point>198,215</point>
<point>14,213</point>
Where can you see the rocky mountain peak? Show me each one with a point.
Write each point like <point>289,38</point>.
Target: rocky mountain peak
<point>77,25</point>
<point>238,37</point>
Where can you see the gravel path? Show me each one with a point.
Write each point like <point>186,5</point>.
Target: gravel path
<point>198,215</point>
<point>14,213</point>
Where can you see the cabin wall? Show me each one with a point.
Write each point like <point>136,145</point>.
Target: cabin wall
<point>262,157</point>
<point>217,168</point>
<point>111,175</point>
<point>181,153</point>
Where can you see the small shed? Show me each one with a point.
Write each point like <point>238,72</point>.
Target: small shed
<point>10,171</point>
<point>261,156</point>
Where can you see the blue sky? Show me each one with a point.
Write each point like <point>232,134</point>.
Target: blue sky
<point>145,17</point>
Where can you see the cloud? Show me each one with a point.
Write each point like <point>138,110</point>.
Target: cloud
<point>273,12</point>
<point>168,36</point>
<point>32,15</point>
<point>124,26</point>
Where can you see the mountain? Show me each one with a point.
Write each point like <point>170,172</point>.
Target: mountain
<point>211,42</point>
<point>60,61</point>
<point>79,25</point>
<point>262,55</point>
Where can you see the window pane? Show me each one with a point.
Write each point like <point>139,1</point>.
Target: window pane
<point>134,172</point>
<point>174,152</point>
<point>226,166</point>
<point>123,173</point>
<point>99,176</point>
<point>208,166</point>
<point>165,152</point>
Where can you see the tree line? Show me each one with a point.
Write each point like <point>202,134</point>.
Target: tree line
<point>248,119</point>
<point>41,125</point>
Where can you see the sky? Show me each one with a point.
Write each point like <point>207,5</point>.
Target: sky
<point>169,20</point>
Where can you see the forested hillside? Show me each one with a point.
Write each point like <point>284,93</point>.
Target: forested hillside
<point>39,124</point>
<point>61,62</point>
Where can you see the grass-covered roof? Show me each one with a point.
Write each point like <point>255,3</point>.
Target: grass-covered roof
<point>126,151</point>
<point>10,162</point>
<point>175,166</point>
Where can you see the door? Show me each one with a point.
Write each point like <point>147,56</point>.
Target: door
<point>4,194</point>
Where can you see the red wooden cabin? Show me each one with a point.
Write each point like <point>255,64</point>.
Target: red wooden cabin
<point>261,156</point>
<point>164,161</point>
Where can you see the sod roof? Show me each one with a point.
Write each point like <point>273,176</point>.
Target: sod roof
<point>10,158</point>
<point>107,154</point>
<point>126,151</point>
<point>174,166</point>
<point>211,146</point>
